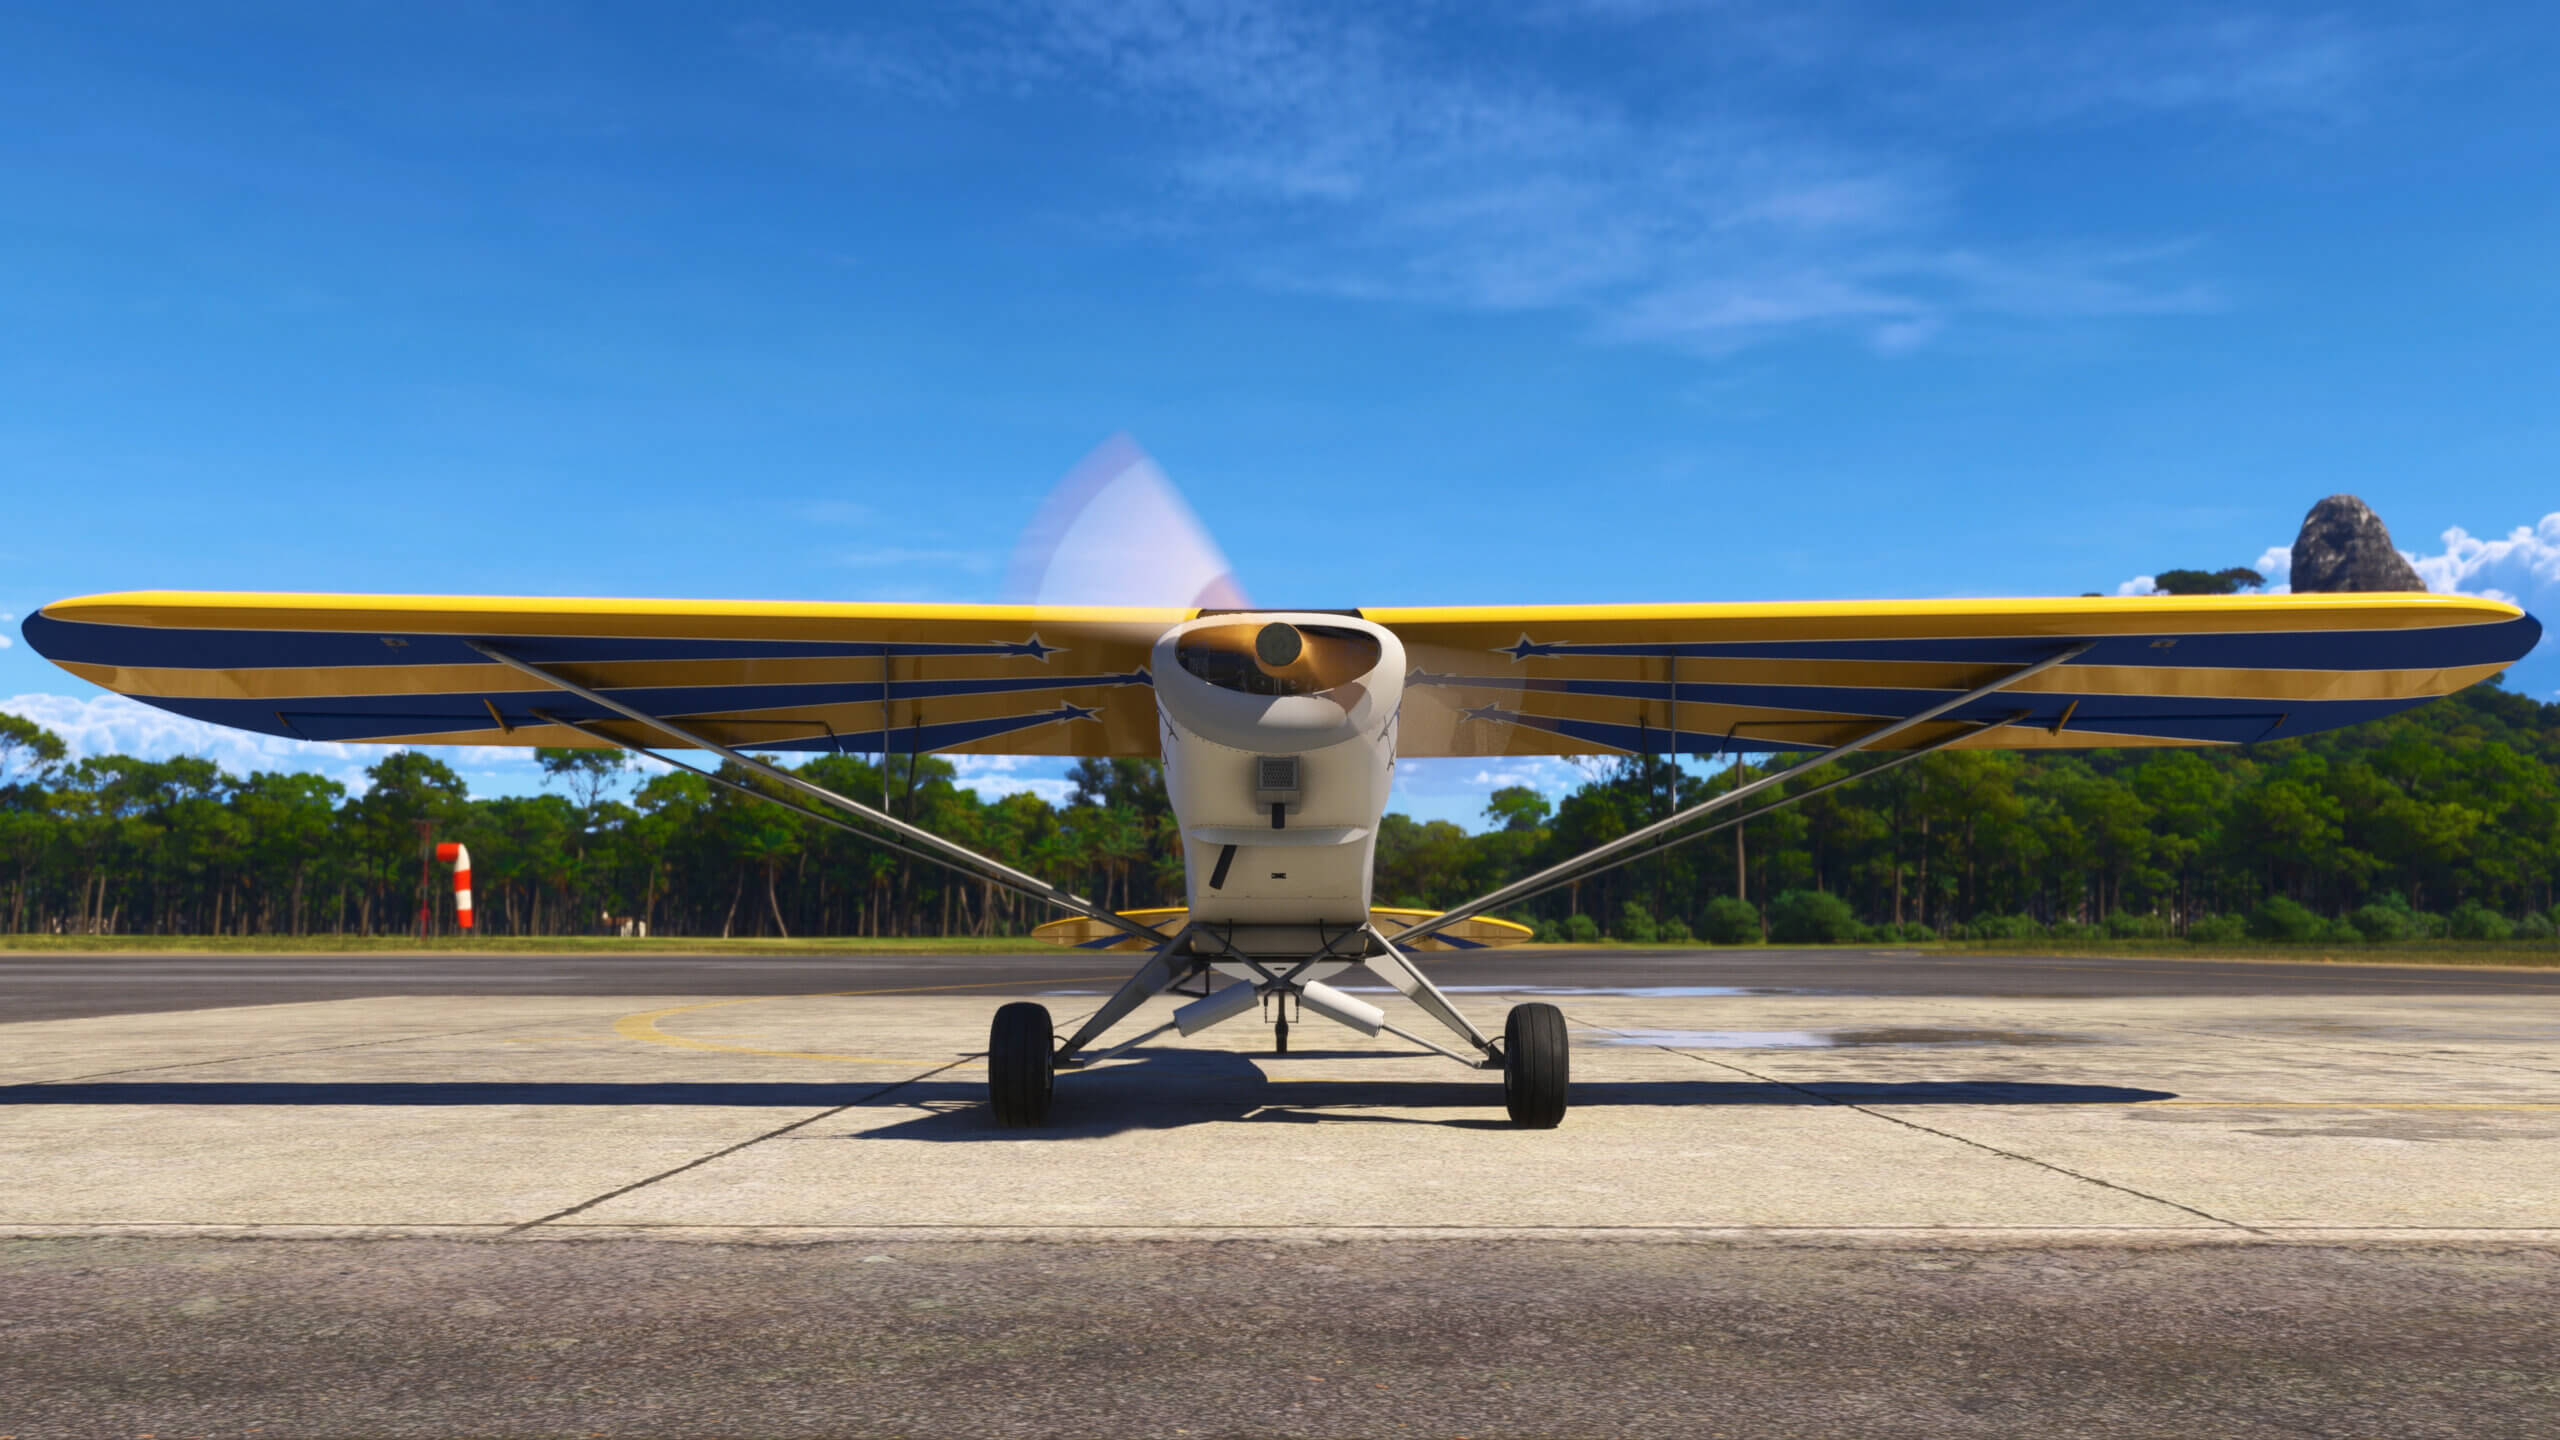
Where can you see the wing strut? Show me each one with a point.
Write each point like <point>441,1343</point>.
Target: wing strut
<point>1588,860</point>
<point>958,857</point>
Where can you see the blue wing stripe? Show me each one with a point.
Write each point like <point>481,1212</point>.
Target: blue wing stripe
<point>2131,716</point>
<point>470,711</point>
<point>2420,648</point>
<point>191,649</point>
<point>1898,701</point>
<point>902,739</point>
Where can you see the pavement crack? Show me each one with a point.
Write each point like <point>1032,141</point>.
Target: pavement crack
<point>725,1151</point>
<point>1981,1145</point>
<point>800,1124</point>
<point>1984,1146</point>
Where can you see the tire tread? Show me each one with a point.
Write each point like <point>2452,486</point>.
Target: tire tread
<point>1537,1066</point>
<point>1021,1075</point>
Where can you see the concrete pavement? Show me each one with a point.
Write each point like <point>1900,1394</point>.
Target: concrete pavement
<point>1767,1215</point>
<point>862,1114</point>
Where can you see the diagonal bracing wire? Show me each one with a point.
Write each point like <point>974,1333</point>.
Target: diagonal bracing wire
<point>1673,842</point>
<point>953,855</point>
<point>822,817</point>
<point>1547,879</point>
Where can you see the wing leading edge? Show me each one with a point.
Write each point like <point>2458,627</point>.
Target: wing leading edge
<point>1489,681</point>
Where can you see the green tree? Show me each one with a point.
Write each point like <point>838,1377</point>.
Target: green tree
<point>29,753</point>
<point>585,774</point>
<point>2206,582</point>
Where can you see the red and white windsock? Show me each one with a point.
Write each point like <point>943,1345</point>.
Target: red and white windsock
<point>452,853</point>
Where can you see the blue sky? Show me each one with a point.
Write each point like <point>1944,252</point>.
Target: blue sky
<point>1616,300</point>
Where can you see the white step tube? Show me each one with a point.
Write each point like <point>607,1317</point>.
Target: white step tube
<point>1218,1005</point>
<point>1342,1009</point>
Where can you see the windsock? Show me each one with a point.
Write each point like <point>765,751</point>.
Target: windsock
<point>452,853</point>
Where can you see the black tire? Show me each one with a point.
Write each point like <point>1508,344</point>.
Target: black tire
<point>1537,1067</point>
<point>1021,1065</point>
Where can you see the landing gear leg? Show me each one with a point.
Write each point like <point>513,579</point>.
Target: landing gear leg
<point>1021,1068</point>
<point>1536,1066</point>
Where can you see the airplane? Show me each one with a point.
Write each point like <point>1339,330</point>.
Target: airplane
<point>1280,729</point>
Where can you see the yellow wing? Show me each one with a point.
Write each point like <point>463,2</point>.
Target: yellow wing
<point>766,676</point>
<point>1491,681</point>
<point>2160,670</point>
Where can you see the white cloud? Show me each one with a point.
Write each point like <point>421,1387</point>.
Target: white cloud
<point>1697,199</point>
<point>993,777</point>
<point>1456,789</point>
<point>2521,569</point>
<point>117,725</point>
<point>1546,774</point>
<point>2276,563</point>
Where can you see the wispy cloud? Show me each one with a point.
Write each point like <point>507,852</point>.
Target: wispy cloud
<point>902,557</point>
<point>2048,64</point>
<point>1704,175</point>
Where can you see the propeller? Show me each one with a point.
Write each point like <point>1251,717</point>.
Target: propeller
<point>1116,532</point>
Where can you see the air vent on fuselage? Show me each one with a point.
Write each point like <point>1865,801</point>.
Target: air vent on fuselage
<point>1275,779</point>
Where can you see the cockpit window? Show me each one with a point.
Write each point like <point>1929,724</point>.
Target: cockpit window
<point>1277,658</point>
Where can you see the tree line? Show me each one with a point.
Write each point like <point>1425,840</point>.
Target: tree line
<point>2442,821</point>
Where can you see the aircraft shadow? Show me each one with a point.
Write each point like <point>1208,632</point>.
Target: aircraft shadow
<point>1163,1090</point>
<point>782,1095</point>
<point>1176,1088</point>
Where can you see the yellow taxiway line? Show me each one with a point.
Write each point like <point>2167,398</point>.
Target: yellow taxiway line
<point>644,1026</point>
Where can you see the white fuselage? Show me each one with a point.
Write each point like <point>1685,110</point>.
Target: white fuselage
<point>1278,772</point>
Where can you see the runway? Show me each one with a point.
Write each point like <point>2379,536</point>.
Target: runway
<point>65,986</point>
<point>1928,1195</point>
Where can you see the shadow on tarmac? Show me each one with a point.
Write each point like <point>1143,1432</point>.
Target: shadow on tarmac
<point>1159,1090</point>
<point>1177,1088</point>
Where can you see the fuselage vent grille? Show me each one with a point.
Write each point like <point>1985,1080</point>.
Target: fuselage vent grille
<point>1275,779</point>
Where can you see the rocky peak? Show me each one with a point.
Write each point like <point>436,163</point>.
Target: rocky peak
<point>2343,546</point>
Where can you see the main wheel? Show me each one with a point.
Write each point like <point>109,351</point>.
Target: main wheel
<point>1536,1066</point>
<point>1021,1069</point>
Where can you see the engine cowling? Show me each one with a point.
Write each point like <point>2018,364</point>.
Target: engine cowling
<point>1279,748</point>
